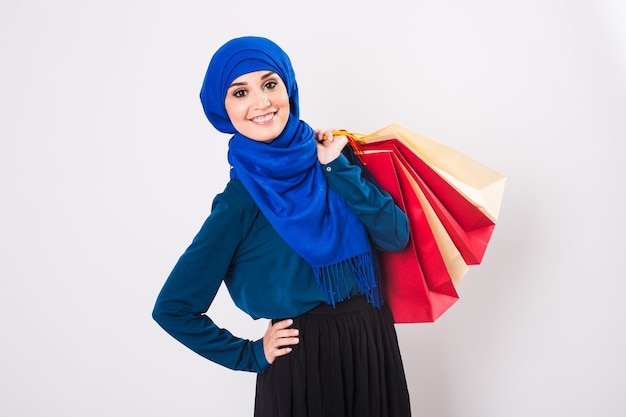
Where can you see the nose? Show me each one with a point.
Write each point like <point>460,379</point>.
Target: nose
<point>261,100</point>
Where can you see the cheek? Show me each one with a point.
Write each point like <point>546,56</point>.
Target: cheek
<point>282,97</point>
<point>285,101</point>
<point>233,109</point>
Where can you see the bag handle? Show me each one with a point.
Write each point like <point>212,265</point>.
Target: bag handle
<point>355,139</point>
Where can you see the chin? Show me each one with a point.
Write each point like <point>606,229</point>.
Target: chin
<point>267,135</point>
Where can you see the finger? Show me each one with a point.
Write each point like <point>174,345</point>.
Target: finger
<point>284,343</point>
<point>285,334</point>
<point>280,330</point>
<point>282,351</point>
<point>323,135</point>
<point>283,324</point>
<point>289,332</point>
<point>279,347</point>
<point>282,337</point>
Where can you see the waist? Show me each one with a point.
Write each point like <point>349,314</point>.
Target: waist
<point>350,305</point>
<point>354,303</point>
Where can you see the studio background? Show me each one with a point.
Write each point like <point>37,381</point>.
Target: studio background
<point>108,168</point>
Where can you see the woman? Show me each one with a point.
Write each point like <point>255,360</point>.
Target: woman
<point>293,236</point>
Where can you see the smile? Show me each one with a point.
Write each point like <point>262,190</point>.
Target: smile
<point>264,118</point>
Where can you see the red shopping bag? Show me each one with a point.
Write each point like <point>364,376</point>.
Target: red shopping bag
<point>452,203</point>
<point>468,226</point>
<point>416,283</point>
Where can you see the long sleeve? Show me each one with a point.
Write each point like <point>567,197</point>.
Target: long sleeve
<point>265,277</point>
<point>386,223</point>
<point>182,304</point>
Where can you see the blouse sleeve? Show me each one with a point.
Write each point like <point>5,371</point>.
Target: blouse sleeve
<point>182,304</point>
<point>387,225</point>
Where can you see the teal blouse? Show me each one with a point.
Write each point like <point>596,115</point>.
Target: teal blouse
<point>264,276</point>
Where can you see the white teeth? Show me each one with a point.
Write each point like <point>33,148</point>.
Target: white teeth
<point>264,118</point>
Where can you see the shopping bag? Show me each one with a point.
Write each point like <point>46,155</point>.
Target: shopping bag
<point>455,264</point>
<point>467,200</point>
<point>480,184</point>
<point>467,225</point>
<point>452,208</point>
<point>416,282</point>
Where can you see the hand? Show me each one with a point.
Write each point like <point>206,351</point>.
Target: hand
<point>330,148</point>
<point>278,339</point>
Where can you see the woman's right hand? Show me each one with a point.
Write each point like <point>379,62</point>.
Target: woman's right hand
<point>278,339</point>
<point>329,146</point>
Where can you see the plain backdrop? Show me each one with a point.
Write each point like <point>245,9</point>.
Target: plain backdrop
<point>108,167</point>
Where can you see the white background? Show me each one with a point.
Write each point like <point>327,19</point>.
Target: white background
<point>108,168</point>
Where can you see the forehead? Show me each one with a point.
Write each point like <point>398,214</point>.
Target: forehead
<point>251,77</point>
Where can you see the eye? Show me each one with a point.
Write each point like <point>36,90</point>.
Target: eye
<point>240,93</point>
<point>270,85</point>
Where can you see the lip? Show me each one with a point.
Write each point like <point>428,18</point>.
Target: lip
<point>264,118</point>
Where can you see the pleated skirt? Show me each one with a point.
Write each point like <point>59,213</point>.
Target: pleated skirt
<point>347,364</point>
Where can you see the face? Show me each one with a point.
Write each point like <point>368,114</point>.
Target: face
<point>257,105</point>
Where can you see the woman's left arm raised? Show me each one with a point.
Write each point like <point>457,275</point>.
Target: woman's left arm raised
<point>386,223</point>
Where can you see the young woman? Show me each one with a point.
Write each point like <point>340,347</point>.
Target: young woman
<point>294,237</point>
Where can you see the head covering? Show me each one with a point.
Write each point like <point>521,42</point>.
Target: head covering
<point>285,178</point>
<point>237,57</point>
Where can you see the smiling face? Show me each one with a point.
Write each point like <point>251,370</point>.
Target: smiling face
<point>257,104</point>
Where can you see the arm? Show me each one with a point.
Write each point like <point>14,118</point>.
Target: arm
<point>386,224</point>
<point>191,287</point>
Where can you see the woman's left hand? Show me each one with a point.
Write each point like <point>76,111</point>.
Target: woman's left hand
<point>329,147</point>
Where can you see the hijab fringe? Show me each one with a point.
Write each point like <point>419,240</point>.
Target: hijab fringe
<point>363,268</point>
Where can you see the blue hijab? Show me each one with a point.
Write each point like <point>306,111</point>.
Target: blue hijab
<point>285,178</point>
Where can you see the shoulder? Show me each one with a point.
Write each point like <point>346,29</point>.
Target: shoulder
<point>236,194</point>
<point>236,198</point>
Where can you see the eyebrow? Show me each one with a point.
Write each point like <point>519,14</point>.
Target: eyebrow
<point>269,74</point>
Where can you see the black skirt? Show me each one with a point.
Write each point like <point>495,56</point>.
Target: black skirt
<point>347,364</point>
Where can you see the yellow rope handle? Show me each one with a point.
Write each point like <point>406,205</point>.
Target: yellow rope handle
<point>355,139</point>
<point>356,136</point>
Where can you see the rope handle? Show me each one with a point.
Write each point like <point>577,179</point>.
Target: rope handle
<point>356,136</point>
<point>355,139</point>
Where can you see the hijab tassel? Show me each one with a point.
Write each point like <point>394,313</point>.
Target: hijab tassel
<point>333,278</point>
